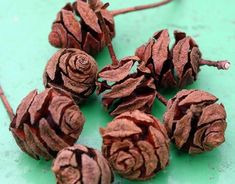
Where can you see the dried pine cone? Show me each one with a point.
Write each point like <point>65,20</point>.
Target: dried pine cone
<point>126,86</point>
<point>47,122</point>
<point>72,71</point>
<point>195,122</point>
<point>80,164</point>
<point>136,145</point>
<point>178,67</point>
<point>77,26</point>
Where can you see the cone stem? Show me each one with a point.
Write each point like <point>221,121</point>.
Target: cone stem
<point>161,99</point>
<point>138,8</point>
<point>221,65</point>
<point>6,104</point>
<point>106,35</point>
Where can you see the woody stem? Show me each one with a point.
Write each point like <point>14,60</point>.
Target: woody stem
<point>107,36</point>
<point>6,104</point>
<point>221,65</point>
<point>161,99</point>
<point>138,8</point>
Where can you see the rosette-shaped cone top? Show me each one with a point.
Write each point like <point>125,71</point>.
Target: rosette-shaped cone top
<point>126,86</point>
<point>195,122</point>
<point>47,122</point>
<point>136,145</point>
<point>80,164</point>
<point>77,26</point>
<point>177,67</point>
<point>72,71</point>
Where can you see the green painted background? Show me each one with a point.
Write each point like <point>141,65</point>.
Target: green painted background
<point>24,51</point>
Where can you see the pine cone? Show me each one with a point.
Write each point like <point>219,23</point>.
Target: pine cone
<point>77,26</point>
<point>195,122</point>
<point>47,122</point>
<point>80,164</point>
<point>72,71</point>
<point>126,86</point>
<point>175,68</point>
<point>136,145</point>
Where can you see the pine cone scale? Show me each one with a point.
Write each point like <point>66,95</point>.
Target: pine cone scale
<point>119,145</point>
<point>121,90</point>
<point>187,78</point>
<point>215,135</point>
<point>58,36</point>
<point>91,173</point>
<point>37,107</point>
<point>58,107</point>
<point>198,97</point>
<point>91,44</point>
<point>143,103</point>
<point>88,16</point>
<point>49,136</point>
<point>148,153</point>
<point>160,51</point>
<point>160,144</point>
<point>116,74</point>
<point>34,143</point>
<point>180,56</point>
<point>212,113</point>
<point>147,53</point>
<point>72,25</point>
<point>182,130</point>
<point>23,109</point>
<point>200,136</point>
<point>23,144</point>
<point>195,57</point>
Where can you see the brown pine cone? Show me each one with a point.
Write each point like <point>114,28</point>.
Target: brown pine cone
<point>72,71</point>
<point>77,26</point>
<point>178,67</point>
<point>136,145</point>
<point>47,122</point>
<point>80,164</point>
<point>126,86</point>
<point>195,122</point>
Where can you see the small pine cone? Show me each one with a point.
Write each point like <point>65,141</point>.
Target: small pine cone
<point>195,122</point>
<point>136,145</point>
<point>47,122</point>
<point>72,71</point>
<point>80,164</point>
<point>176,68</point>
<point>77,26</point>
<point>127,86</point>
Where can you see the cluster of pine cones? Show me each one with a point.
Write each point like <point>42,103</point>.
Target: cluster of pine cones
<point>135,144</point>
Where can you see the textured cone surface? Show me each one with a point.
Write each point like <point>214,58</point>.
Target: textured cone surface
<point>77,26</point>
<point>47,122</point>
<point>126,86</point>
<point>80,164</point>
<point>136,145</point>
<point>72,71</point>
<point>177,67</point>
<point>195,122</point>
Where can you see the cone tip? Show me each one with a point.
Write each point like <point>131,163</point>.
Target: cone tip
<point>227,65</point>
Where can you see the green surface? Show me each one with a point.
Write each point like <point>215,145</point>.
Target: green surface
<point>24,27</point>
